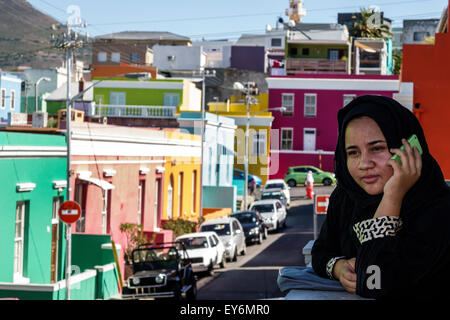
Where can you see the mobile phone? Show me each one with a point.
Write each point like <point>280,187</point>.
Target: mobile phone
<point>413,142</point>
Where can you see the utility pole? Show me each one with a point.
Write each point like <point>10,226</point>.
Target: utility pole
<point>69,41</point>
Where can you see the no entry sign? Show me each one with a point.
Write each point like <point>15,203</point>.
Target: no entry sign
<point>322,204</point>
<point>69,212</point>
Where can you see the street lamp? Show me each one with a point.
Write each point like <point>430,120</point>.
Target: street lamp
<point>249,100</point>
<point>36,90</point>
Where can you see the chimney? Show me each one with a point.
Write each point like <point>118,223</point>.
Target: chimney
<point>81,85</point>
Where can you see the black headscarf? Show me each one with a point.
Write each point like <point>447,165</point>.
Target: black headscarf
<point>396,122</point>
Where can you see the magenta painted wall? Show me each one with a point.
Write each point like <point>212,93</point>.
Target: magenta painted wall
<point>325,122</point>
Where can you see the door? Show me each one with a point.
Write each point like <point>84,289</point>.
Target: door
<point>55,239</point>
<point>309,139</point>
<point>19,241</point>
<point>156,207</point>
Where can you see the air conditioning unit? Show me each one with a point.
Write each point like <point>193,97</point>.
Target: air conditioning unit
<point>171,58</point>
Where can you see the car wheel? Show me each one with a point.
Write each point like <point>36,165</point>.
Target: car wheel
<point>223,263</point>
<point>284,223</point>
<point>292,183</point>
<point>191,294</point>
<point>265,233</point>
<point>327,181</point>
<point>260,238</point>
<point>177,292</point>
<point>244,250</point>
<point>234,255</point>
<point>211,268</point>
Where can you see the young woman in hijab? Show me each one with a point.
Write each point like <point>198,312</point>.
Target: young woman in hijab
<point>387,230</point>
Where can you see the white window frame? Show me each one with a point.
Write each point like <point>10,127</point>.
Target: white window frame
<point>259,142</point>
<point>157,200</point>
<point>141,197</point>
<point>291,140</point>
<point>102,56</point>
<point>289,108</point>
<point>104,211</point>
<point>3,99</point>
<point>348,98</point>
<point>12,101</point>
<point>308,113</point>
<point>19,241</point>
<point>117,96</point>
<point>315,138</point>
<point>170,200</point>
<point>115,57</point>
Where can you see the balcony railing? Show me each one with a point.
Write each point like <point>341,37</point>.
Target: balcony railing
<point>296,65</point>
<point>134,111</point>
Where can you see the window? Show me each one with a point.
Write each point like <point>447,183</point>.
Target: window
<point>80,197</point>
<point>333,54</point>
<point>170,199</point>
<point>180,194</point>
<point>117,98</point>
<point>420,36</point>
<point>259,143</point>
<point>194,190</point>
<point>287,101</point>
<point>3,102</point>
<point>300,170</point>
<point>19,241</point>
<point>286,138</point>
<point>310,105</point>
<point>171,99</point>
<point>55,239</point>
<point>115,57</point>
<point>276,42</point>
<point>293,51</point>
<point>348,98</point>
<point>13,100</point>
<point>305,52</point>
<point>101,57</point>
<point>157,203</point>
<point>134,57</point>
<point>141,201</point>
<point>106,211</point>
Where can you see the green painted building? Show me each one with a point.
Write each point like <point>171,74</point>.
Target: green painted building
<point>32,263</point>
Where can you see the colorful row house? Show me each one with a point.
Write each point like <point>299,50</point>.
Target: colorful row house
<point>132,175</point>
<point>307,129</point>
<point>33,251</point>
<point>10,91</point>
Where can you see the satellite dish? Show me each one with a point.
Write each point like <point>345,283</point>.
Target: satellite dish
<point>291,23</point>
<point>280,20</point>
<point>268,28</point>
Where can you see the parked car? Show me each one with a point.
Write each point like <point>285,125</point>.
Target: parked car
<point>205,250</point>
<point>297,175</point>
<point>241,174</point>
<point>230,232</point>
<point>276,194</point>
<point>272,212</point>
<point>161,270</point>
<point>253,224</point>
<point>278,184</point>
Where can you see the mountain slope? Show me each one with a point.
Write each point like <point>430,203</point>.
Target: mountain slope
<point>25,37</point>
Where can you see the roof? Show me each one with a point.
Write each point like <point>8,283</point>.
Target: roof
<point>143,35</point>
<point>60,93</point>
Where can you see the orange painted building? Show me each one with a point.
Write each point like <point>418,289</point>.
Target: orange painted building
<point>102,71</point>
<point>428,67</point>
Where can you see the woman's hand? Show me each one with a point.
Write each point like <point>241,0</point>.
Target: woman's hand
<point>344,271</point>
<point>406,174</point>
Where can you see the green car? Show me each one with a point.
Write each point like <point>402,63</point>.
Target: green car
<point>297,175</point>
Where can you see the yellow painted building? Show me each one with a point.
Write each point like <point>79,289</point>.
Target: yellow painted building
<point>182,177</point>
<point>259,131</point>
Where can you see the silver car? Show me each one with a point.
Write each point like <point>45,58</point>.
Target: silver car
<point>272,212</point>
<point>230,232</point>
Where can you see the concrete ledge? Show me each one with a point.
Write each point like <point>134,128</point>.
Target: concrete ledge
<point>307,252</point>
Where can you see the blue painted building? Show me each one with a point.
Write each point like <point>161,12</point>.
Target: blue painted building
<point>218,157</point>
<point>10,92</point>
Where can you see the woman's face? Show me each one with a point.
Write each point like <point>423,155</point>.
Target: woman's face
<point>367,155</point>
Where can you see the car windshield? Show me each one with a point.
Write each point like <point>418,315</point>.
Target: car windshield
<point>222,229</point>
<point>261,208</point>
<point>195,242</point>
<point>156,258</point>
<point>274,186</point>
<point>272,195</point>
<point>245,217</point>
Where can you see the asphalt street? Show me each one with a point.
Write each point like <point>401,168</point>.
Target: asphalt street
<point>254,276</point>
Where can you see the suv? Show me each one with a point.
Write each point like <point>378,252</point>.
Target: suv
<point>276,194</point>
<point>230,232</point>
<point>297,175</point>
<point>272,211</point>
<point>253,224</point>
<point>205,250</point>
<point>161,270</point>
<point>278,184</point>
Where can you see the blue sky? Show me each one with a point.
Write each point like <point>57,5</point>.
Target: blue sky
<point>221,19</point>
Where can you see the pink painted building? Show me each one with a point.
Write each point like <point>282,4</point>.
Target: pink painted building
<point>307,130</point>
